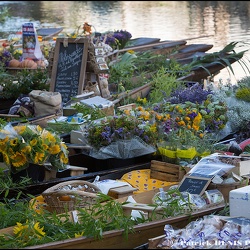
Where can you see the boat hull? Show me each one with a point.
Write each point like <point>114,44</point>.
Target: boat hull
<point>115,239</point>
<point>38,188</point>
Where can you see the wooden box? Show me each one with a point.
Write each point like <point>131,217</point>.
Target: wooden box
<point>225,188</point>
<point>165,171</point>
<point>143,202</point>
<point>242,168</point>
<point>241,163</point>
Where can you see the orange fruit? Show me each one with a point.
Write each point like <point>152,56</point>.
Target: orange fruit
<point>64,198</point>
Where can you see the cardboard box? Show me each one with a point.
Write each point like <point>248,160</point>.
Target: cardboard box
<point>239,202</point>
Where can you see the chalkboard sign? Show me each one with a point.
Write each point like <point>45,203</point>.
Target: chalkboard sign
<point>69,66</point>
<point>193,184</point>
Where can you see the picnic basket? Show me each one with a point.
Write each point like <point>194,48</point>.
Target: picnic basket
<point>70,195</point>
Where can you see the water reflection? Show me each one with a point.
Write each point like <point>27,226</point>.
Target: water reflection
<point>221,22</point>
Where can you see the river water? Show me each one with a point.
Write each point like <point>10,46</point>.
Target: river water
<point>221,22</point>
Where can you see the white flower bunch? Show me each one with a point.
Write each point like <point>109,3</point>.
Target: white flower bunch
<point>238,110</point>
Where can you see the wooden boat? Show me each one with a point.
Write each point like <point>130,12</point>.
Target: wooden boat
<point>48,33</point>
<point>38,188</point>
<point>212,69</point>
<point>115,239</point>
<point>184,54</point>
<point>178,50</point>
<point>205,64</point>
<point>142,41</point>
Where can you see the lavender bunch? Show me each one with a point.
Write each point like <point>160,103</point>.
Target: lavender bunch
<point>116,39</point>
<point>5,57</point>
<point>111,41</point>
<point>194,94</point>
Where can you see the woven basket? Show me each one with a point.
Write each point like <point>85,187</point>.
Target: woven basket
<point>79,194</point>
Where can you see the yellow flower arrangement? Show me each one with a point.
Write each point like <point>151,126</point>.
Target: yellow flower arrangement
<point>180,128</point>
<point>24,144</point>
<point>25,232</point>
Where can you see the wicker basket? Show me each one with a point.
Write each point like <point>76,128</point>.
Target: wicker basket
<point>70,195</point>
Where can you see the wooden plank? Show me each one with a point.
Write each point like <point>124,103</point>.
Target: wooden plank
<point>9,116</point>
<point>123,191</point>
<point>177,42</point>
<point>147,209</point>
<point>141,92</point>
<point>178,56</point>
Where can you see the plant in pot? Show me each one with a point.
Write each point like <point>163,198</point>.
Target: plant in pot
<point>121,71</point>
<point>27,149</point>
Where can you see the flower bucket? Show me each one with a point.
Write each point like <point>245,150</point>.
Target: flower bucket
<point>34,171</point>
<point>186,153</point>
<point>168,155</point>
<point>203,154</point>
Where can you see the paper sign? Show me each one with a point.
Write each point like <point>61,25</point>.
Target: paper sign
<point>31,46</point>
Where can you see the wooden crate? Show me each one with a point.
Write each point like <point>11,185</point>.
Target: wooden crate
<point>144,203</point>
<point>165,171</point>
<point>241,163</point>
<point>225,188</point>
